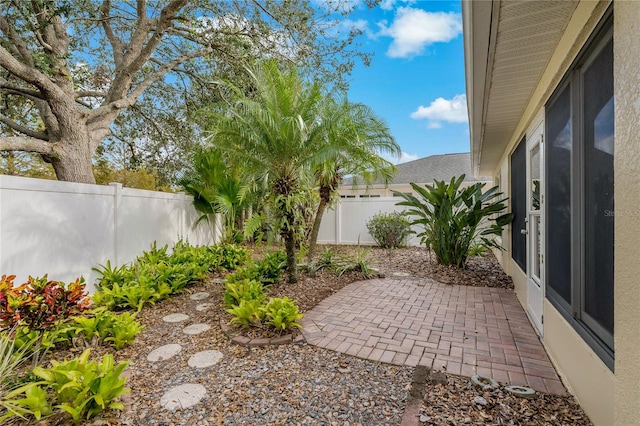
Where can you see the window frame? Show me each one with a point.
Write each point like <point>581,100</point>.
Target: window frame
<point>599,339</point>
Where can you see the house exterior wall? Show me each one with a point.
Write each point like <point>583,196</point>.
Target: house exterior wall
<point>607,398</point>
<point>627,219</point>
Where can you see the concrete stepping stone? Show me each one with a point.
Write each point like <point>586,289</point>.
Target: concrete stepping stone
<point>203,307</point>
<point>400,274</point>
<point>199,296</point>
<point>196,328</point>
<point>205,359</point>
<point>175,318</point>
<point>164,352</point>
<point>183,396</point>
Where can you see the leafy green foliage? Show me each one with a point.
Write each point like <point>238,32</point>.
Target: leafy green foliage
<point>34,402</point>
<point>156,274</point>
<point>39,303</point>
<point>84,388</point>
<point>81,387</point>
<point>12,357</point>
<point>267,270</point>
<point>247,313</point>
<point>119,330</point>
<point>454,218</point>
<point>342,263</point>
<point>246,289</point>
<point>281,313</point>
<point>325,260</point>
<point>477,249</point>
<point>389,230</point>
<point>231,256</point>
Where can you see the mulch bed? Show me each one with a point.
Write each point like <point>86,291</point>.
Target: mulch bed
<point>301,384</point>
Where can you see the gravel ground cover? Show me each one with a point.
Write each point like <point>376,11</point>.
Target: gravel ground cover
<point>299,383</point>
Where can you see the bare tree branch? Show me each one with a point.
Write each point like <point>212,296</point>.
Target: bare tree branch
<point>18,90</point>
<point>26,144</point>
<point>19,45</point>
<point>22,129</point>
<point>116,43</point>
<point>132,97</point>
<point>28,73</point>
<point>90,94</point>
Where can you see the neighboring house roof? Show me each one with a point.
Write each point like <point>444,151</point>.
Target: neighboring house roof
<point>428,169</point>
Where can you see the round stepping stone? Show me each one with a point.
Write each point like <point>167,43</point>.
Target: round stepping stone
<point>203,307</point>
<point>183,396</point>
<point>164,352</point>
<point>175,318</point>
<point>196,328</point>
<point>205,359</point>
<point>199,296</point>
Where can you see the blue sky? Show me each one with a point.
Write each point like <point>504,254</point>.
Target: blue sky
<point>416,77</point>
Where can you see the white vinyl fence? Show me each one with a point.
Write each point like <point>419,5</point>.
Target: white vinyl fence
<point>64,229</point>
<point>346,223</point>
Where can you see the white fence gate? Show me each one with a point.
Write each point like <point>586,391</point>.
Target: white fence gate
<point>64,229</point>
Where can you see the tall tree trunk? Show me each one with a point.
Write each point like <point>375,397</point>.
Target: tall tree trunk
<point>325,197</point>
<point>73,162</point>
<point>290,246</point>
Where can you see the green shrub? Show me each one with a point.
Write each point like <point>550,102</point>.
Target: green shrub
<point>156,275</point>
<point>344,263</point>
<point>231,256</point>
<point>118,330</point>
<point>477,249</point>
<point>84,388</point>
<point>389,230</point>
<point>282,313</point>
<point>247,313</point>
<point>267,271</point>
<point>272,266</point>
<point>325,260</point>
<point>81,387</point>
<point>450,217</point>
<point>243,290</point>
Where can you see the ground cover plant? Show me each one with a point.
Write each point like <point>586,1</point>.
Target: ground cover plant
<point>156,274</point>
<point>44,315</point>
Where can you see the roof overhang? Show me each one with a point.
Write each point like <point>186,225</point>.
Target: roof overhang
<point>508,44</point>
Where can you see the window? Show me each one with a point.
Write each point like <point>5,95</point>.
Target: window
<point>580,205</point>
<point>519,204</point>
<point>370,196</point>
<point>347,196</point>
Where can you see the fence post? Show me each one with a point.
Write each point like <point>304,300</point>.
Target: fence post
<point>117,195</point>
<point>338,233</point>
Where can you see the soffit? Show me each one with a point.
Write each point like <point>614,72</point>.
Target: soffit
<point>526,36</point>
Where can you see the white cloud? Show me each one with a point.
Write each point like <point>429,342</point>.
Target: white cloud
<point>404,157</point>
<point>443,110</point>
<point>390,4</point>
<point>415,29</point>
<point>344,27</point>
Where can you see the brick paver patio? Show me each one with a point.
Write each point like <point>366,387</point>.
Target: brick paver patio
<point>462,330</point>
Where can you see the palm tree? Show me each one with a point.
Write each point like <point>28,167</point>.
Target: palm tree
<point>217,187</point>
<point>355,139</point>
<point>277,133</point>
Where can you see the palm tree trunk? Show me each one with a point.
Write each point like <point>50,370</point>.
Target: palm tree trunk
<point>290,246</point>
<point>325,196</point>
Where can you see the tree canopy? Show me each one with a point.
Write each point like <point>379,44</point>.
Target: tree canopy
<point>121,79</point>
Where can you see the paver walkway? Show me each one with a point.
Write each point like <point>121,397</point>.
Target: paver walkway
<point>463,330</point>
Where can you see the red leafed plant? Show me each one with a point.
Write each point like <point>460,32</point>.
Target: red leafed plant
<point>39,304</point>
